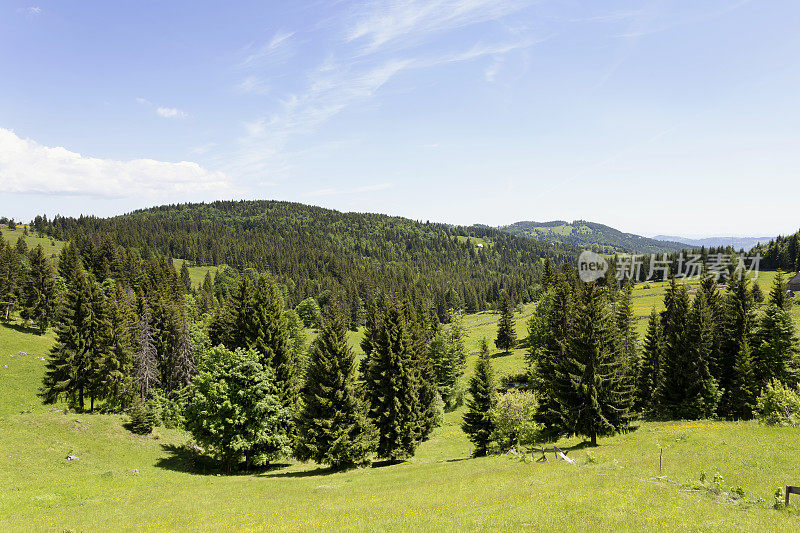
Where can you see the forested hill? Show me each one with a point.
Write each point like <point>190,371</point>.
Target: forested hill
<point>311,249</point>
<point>591,235</point>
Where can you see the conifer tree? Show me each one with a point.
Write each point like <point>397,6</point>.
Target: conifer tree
<point>268,334</point>
<point>393,387</point>
<point>118,365</point>
<point>777,295</point>
<point>429,399</point>
<point>756,294</point>
<point>626,337</point>
<point>550,327</point>
<point>146,360</point>
<point>68,369</point>
<point>506,337</point>
<point>670,397</point>
<point>186,280</point>
<point>182,359</point>
<point>332,427</point>
<point>744,389</point>
<point>39,290</point>
<point>702,392</point>
<point>9,279</point>
<point>648,376</point>
<point>775,347</point>
<point>738,325</point>
<point>478,422</point>
<point>593,394</point>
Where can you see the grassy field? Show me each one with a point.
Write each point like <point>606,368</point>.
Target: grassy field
<point>13,235</point>
<point>123,481</point>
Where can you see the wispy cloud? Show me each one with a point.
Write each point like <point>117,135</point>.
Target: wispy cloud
<point>379,42</point>
<point>31,11</point>
<point>277,49</point>
<point>29,167</point>
<point>408,22</point>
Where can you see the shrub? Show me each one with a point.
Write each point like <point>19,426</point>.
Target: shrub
<point>778,405</point>
<point>514,420</point>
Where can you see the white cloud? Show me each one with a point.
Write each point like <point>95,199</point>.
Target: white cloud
<point>170,112</point>
<point>31,11</point>
<point>28,167</point>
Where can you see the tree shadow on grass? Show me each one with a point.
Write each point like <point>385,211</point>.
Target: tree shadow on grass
<point>21,328</point>
<point>182,459</point>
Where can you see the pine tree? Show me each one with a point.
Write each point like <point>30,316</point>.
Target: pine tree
<point>650,364</point>
<point>674,380</point>
<point>593,395</point>
<point>146,359</point>
<point>39,290</point>
<point>478,422</point>
<point>67,373</point>
<point>756,294</point>
<point>627,337</point>
<point>393,388</point>
<point>506,337</point>
<point>429,399</point>
<point>333,427</point>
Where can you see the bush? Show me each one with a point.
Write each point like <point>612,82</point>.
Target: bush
<point>778,405</point>
<point>514,421</point>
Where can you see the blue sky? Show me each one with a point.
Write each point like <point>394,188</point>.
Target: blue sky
<point>653,117</point>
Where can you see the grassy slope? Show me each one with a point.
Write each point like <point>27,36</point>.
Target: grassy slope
<point>13,235</point>
<point>441,488</point>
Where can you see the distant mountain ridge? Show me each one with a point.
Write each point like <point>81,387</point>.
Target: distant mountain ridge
<point>598,237</point>
<point>739,243</point>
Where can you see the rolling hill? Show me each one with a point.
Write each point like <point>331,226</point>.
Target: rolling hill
<point>591,235</point>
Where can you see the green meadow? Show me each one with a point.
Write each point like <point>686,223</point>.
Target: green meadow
<point>128,482</point>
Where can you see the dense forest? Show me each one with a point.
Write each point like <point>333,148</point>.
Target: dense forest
<point>591,235</point>
<point>311,250</point>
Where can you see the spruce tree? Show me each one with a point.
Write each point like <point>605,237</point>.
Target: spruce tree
<point>182,365</point>
<point>626,337</point>
<point>702,392</point>
<point>775,347</point>
<point>10,269</point>
<point>39,290</point>
<point>332,427</point>
<point>268,333</point>
<point>393,387</point>
<point>478,421</point>
<point>118,366</point>
<point>186,280</point>
<point>550,328</point>
<point>68,369</point>
<point>506,337</point>
<point>146,357</point>
<point>744,389</point>
<point>738,326</point>
<point>593,395</point>
<point>670,396</point>
<point>777,295</point>
<point>649,373</point>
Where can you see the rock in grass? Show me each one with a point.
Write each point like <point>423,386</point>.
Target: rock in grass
<point>72,458</point>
